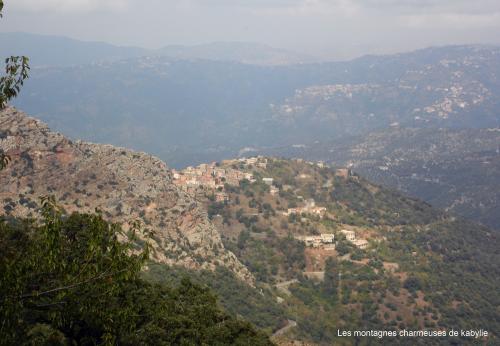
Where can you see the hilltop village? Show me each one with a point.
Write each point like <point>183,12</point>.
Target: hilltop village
<point>310,232</point>
<point>319,236</point>
<point>213,180</point>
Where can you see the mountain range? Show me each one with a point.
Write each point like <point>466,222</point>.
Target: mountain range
<point>200,104</point>
<point>46,50</point>
<point>192,111</point>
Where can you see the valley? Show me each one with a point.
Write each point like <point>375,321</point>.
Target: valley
<point>250,173</point>
<point>296,247</point>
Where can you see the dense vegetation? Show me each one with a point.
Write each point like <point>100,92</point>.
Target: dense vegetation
<point>423,269</point>
<point>257,305</point>
<point>70,280</point>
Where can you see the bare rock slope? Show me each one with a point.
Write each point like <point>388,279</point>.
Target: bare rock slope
<point>123,184</point>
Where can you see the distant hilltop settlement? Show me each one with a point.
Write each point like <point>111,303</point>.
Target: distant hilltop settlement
<point>213,177</point>
<point>326,241</point>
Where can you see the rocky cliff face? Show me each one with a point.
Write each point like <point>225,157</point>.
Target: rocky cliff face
<point>123,184</point>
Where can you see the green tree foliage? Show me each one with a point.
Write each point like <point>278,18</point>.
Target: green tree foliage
<point>219,208</point>
<point>293,252</point>
<point>331,282</point>
<point>256,305</point>
<point>16,71</point>
<point>412,284</point>
<point>69,280</point>
<point>4,160</point>
<point>343,247</point>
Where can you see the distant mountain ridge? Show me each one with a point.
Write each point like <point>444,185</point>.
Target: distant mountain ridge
<point>193,111</point>
<point>47,50</point>
<point>188,111</point>
<point>244,52</point>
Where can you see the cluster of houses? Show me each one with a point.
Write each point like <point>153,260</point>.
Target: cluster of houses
<point>210,176</point>
<point>257,161</point>
<point>320,164</point>
<point>309,208</point>
<point>325,240</point>
<point>214,176</point>
<point>351,236</point>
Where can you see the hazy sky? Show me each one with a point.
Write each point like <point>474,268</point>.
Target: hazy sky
<point>324,28</point>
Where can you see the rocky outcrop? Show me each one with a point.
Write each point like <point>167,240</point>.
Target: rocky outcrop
<point>123,184</point>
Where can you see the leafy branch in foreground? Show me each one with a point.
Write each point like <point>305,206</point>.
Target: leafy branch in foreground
<point>16,71</point>
<point>70,280</point>
<point>68,266</point>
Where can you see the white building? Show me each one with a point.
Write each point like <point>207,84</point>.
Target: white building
<point>268,181</point>
<point>361,243</point>
<point>327,238</point>
<point>349,235</point>
<point>274,190</point>
<point>316,241</point>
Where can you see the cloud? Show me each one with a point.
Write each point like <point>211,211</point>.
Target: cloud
<point>350,8</point>
<point>67,5</point>
<point>434,6</point>
<point>279,7</point>
<point>292,8</point>
<point>248,3</point>
<point>457,21</point>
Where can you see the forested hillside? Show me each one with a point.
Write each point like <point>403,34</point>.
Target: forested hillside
<point>69,280</point>
<point>221,191</point>
<point>453,169</point>
<point>407,265</point>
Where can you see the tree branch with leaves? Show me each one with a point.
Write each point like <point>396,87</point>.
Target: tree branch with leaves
<point>16,72</point>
